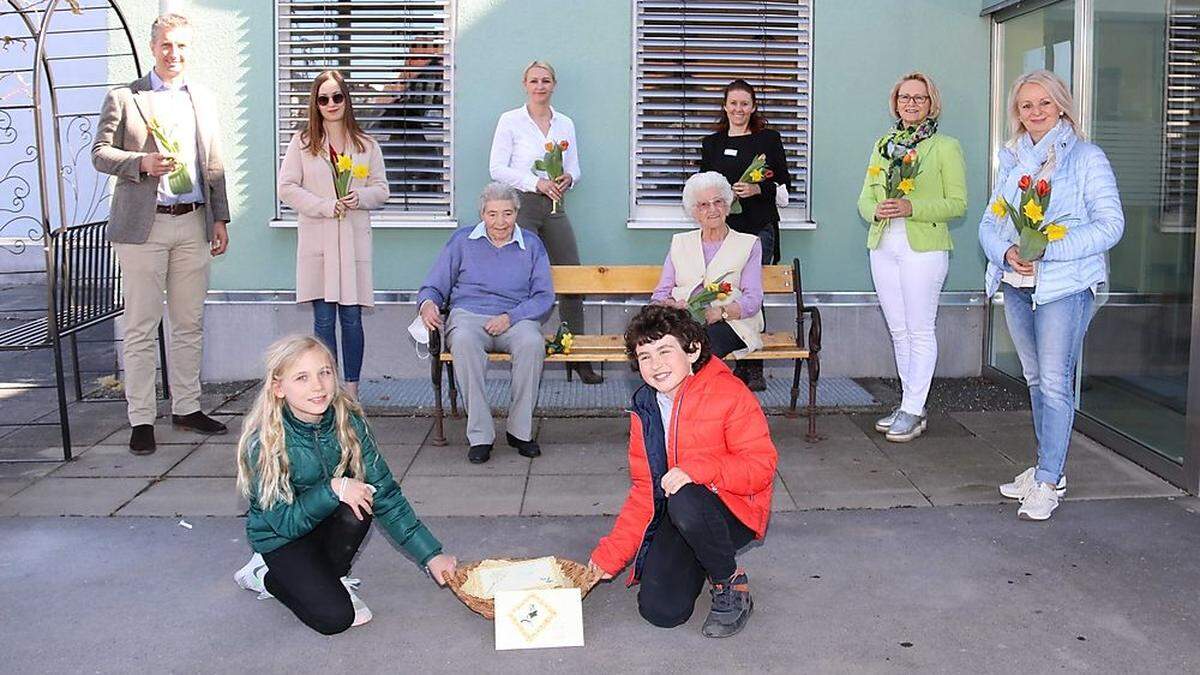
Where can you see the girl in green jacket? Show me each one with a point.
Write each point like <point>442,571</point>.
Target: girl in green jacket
<point>308,465</point>
<point>908,238</point>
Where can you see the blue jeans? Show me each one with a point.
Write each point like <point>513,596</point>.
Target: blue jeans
<point>1048,341</point>
<point>325,316</point>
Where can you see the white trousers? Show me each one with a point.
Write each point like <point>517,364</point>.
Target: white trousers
<point>908,284</point>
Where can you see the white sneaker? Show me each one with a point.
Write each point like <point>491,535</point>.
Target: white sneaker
<point>250,577</point>
<point>362,613</point>
<point>1039,503</point>
<point>1023,483</point>
<point>884,423</point>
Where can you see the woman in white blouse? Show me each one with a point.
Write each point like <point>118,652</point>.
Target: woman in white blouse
<point>522,136</point>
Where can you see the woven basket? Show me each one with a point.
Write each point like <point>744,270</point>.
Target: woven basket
<point>577,575</point>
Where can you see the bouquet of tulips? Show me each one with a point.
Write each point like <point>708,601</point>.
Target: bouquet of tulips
<point>757,172</point>
<point>901,175</point>
<point>179,180</point>
<point>703,298</point>
<point>1030,220</point>
<point>552,164</point>
<point>345,169</point>
<point>562,341</point>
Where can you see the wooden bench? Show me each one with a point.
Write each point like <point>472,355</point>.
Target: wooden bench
<point>641,280</point>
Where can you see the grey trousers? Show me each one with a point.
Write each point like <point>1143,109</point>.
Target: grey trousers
<point>556,233</point>
<point>469,344</point>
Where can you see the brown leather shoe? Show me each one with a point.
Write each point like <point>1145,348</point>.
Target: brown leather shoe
<point>141,440</point>
<point>198,422</point>
<point>586,374</point>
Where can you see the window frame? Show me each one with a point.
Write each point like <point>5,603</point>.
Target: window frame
<point>383,218</point>
<point>672,216</point>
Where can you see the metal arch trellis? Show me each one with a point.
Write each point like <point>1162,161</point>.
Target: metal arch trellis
<point>78,48</point>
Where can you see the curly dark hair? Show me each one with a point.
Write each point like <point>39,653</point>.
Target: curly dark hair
<point>654,322</point>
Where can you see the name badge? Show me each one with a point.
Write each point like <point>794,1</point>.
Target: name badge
<point>731,152</point>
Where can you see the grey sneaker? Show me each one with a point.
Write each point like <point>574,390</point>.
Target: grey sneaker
<point>884,423</point>
<point>905,427</point>
<point>362,613</point>
<point>250,577</point>
<point>731,607</point>
<point>1021,486</point>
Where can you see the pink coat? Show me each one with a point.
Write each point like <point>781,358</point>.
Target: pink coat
<point>333,259</point>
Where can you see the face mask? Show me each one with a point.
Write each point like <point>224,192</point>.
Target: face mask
<point>420,335</point>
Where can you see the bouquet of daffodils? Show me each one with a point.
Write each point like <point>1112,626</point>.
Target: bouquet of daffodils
<point>757,172</point>
<point>1030,220</point>
<point>703,298</point>
<point>562,341</point>
<point>901,176</point>
<point>179,180</point>
<point>344,169</point>
<point>552,164</point>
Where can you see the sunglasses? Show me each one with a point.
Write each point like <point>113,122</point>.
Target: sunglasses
<point>324,100</point>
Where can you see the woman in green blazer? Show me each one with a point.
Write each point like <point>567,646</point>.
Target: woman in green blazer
<point>908,239</point>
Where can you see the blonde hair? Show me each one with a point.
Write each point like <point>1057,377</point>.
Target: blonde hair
<point>935,96</point>
<point>1055,88</point>
<point>539,64</point>
<point>262,430</point>
<point>165,23</point>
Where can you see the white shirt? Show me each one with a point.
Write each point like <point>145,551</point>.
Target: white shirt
<point>172,105</point>
<point>518,143</point>
<point>665,403</point>
<point>480,232</point>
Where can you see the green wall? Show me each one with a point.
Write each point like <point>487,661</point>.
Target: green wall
<point>859,50</point>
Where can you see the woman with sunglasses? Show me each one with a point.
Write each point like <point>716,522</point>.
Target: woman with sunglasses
<point>523,136</point>
<point>333,251</point>
<point>908,238</point>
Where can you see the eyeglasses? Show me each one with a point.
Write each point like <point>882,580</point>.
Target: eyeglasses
<point>717,204</point>
<point>324,100</point>
<point>919,99</point>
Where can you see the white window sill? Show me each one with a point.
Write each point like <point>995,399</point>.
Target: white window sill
<point>382,221</point>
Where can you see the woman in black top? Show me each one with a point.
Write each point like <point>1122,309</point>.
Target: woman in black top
<point>741,135</point>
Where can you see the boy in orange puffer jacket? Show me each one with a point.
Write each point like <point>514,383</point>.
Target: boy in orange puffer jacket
<point>701,463</point>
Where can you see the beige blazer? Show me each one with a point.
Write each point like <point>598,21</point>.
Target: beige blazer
<point>687,255</point>
<point>122,140</point>
<point>333,258</point>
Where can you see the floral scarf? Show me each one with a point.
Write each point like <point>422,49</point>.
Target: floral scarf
<point>901,138</point>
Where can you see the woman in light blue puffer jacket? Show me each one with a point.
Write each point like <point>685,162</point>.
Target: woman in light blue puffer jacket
<point>1049,302</point>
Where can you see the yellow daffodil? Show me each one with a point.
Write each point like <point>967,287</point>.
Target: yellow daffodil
<point>906,185</point>
<point>874,171</point>
<point>1054,231</point>
<point>756,175</point>
<point>711,287</point>
<point>999,209</point>
<point>1033,211</point>
<point>345,163</point>
<point>360,171</point>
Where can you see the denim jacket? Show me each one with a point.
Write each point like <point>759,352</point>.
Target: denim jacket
<point>1083,188</point>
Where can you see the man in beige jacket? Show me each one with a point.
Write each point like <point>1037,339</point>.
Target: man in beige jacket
<point>159,138</point>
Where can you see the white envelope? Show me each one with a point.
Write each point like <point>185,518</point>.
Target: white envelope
<point>539,618</point>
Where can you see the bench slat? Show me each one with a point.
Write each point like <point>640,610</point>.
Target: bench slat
<point>611,348</point>
<point>640,279</point>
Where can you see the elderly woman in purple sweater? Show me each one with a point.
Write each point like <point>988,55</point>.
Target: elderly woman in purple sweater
<point>495,280</point>
<point>715,252</point>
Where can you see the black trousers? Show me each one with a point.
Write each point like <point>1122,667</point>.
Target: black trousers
<point>698,539</point>
<point>723,340</point>
<point>305,575</point>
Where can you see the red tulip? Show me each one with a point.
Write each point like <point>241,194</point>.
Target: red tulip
<point>564,145</point>
<point>768,173</point>
<point>1043,188</point>
<point>549,147</point>
<point>726,287</point>
<point>1024,182</point>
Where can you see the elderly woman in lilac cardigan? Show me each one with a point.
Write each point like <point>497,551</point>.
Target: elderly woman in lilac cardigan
<point>495,279</point>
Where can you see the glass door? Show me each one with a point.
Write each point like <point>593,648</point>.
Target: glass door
<point>1146,116</point>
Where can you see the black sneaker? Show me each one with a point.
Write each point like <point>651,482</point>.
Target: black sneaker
<point>198,422</point>
<point>524,448</point>
<point>478,454</point>
<point>731,607</point>
<point>141,439</point>
<point>751,372</point>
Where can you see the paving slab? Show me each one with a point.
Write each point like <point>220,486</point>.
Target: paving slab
<point>73,497</point>
<point>451,460</point>
<point>575,495</point>
<point>208,460</point>
<point>984,421</point>
<point>11,486</point>
<point>165,433</point>
<point>785,428</point>
<point>401,430</point>
<point>231,437</point>
<point>599,457</point>
<point>32,470</point>
<point>90,423</point>
<point>837,488</point>
<point>603,430</point>
<point>464,495</point>
<point>103,461</point>
<point>175,497</point>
